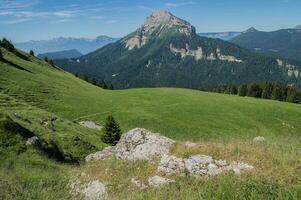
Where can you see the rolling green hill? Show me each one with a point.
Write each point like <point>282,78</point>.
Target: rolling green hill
<point>285,42</point>
<point>166,52</point>
<point>41,100</point>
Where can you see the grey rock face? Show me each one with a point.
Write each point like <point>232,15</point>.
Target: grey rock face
<point>137,144</point>
<point>140,144</point>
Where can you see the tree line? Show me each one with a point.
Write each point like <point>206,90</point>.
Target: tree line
<point>267,90</point>
<point>6,44</point>
<point>96,82</point>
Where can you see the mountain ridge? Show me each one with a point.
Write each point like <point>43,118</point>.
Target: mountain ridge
<point>66,54</point>
<point>83,45</point>
<point>284,42</point>
<point>166,52</point>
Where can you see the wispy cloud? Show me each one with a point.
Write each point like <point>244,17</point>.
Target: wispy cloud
<point>61,21</point>
<point>180,4</point>
<point>15,21</point>
<point>18,4</point>
<point>22,14</point>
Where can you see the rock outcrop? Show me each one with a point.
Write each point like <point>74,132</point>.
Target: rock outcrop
<point>199,165</point>
<point>137,144</point>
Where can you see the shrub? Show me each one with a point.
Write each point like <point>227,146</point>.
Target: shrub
<point>242,90</point>
<point>112,131</point>
<point>31,53</point>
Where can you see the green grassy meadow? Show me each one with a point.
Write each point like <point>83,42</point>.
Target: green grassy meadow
<point>49,103</point>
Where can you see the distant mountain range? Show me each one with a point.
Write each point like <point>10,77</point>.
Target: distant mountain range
<point>73,53</point>
<point>284,42</point>
<point>166,52</point>
<point>220,35</point>
<point>83,45</point>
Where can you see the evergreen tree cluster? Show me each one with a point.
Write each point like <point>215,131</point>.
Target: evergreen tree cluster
<point>266,90</point>
<point>96,82</point>
<point>10,47</point>
<point>49,61</point>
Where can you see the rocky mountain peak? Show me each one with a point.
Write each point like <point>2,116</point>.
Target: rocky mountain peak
<point>162,17</point>
<point>159,22</point>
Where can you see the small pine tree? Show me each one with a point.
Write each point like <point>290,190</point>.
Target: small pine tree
<point>46,59</point>
<point>112,131</point>
<point>31,53</point>
<point>242,90</point>
<point>233,89</point>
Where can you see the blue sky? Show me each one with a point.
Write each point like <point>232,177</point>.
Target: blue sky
<point>22,20</point>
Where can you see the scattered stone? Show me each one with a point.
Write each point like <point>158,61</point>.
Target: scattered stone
<point>140,144</point>
<point>32,141</point>
<point>94,190</point>
<point>171,164</point>
<point>157,181</point>
<point>199,165</point>
<point>138,183</point>
<point>106,152</point>
<point>259,139</point>
<point>90,124</point>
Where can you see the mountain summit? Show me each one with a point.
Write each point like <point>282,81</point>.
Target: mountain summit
<point>166,52</point>
<point>158,18</point>
<point>158,24</point>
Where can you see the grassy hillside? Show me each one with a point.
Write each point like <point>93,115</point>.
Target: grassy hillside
<point>48,102</point>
